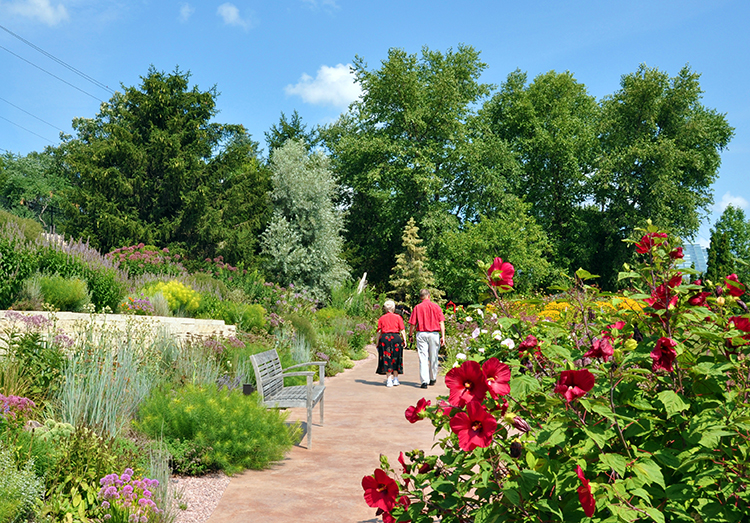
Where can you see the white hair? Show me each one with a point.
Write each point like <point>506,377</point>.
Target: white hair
<point>389,305</point>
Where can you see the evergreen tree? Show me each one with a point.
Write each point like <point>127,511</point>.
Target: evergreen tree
<point>735,224</point>
<point>720,260</point>
<point>410,275</point>
<point>303,242</point>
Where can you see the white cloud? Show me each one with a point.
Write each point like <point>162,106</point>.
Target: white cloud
<point>186,11</point>
<point>727,200</point>
<point>42,10</point>
<point>315,4</point>
<point>231,16</point>
<point>334,86</point>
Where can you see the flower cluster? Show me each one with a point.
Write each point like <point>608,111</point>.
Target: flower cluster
<point>128,500</point>
<point>139,306</point>
<point>15,409</point>
<point>35,322</point>
<point>141,259</point>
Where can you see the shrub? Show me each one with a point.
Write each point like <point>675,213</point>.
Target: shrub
<point>618,414</point>
<point>247,317</point>
<point>181,298</point>
<point>65,294</point>
<point>20,489</point>
<point>17,262</point>
<point>240,431</point>
<point>189,458</point>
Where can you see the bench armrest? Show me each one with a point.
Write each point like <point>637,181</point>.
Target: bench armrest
<point>321,369</point>
<point>300,373</point>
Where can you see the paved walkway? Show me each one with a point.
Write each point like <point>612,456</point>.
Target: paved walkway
<point>363,419</point>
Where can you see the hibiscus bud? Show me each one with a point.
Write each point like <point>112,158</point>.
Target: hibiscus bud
<point>720,301</point>
<point>618,355</point>
<point>719,291</point>
<point>637,336</point>
<point>521,425</point>
<point>515,449</point>
<point>630,345</point>
<point>426,467</point>
<point>742,304</point>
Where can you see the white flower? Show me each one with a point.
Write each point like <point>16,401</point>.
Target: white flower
<point>460,356</point>
<point>456,364</point>
<point>494,316</point>
<point>507,342</point>
<point>475,332</point>
<point>483,331</point>
<point>497,335</point>
<point>480,312</point>
<point>481,349</point>
<point>469,318</point>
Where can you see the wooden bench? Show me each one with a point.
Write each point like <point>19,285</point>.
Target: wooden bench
<point>269,379</point>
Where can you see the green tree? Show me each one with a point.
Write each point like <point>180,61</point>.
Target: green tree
<point>410,274</point>
<point>151,167</point>
<point>720,260</point>
<point>660,155</point>
<point>550,125</point>
<point>404,150</point>
<point>736,226</point>
<point>289,129</point>
<point>303,242</point>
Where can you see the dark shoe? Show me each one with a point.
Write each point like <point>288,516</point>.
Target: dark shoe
<point>432,382</point>
<point>424,385</point>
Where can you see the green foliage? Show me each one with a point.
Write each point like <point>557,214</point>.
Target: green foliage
<point>17,262</point>
<point>720,260</point>
<point>30,229</point>
<point>303,242</point>
<point>627,408</point>
<point>181,298</point>
<point>189,458</point>
<point>411,275</point>
<point>39,362</point>
<point>247,317</point>
<point>65,294</point>
<point>20,489</point>
<point>240,431</point>
<point>735,224</point>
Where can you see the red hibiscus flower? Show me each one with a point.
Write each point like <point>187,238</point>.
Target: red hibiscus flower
<point>380,490</point>
<point>664,354</point>
<point>474,428</point>
<point>388,517</point>
<point>501,273</point>
<point>466,383</point>
<point>740,323</point>
<point>574,383</point>
<point>677,254</point>
<point>649,240</point>
<point>601,349</point>
<point>619,325</point>
<point>445,407</point>
<point>734,287</point>
<point>661,298</point>
<point>530,343</point>
<point>407,469</point>
<point>584,494</point>
<point>412,413</point>
<point>699,300</point>
<point>498,377</point>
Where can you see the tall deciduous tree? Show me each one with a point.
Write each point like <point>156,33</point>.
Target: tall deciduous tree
<point>661,154</point>
<point>404,149</point>
<point>152,167</point>
<point>303,242</point>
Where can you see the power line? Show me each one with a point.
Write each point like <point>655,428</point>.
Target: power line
<point>27,130</point>
<point>52,75</point>
<point>33,116</point>
<point>59,61</point>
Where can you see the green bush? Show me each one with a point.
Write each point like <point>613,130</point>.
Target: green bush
<point>30,229</point>
<point>182,298</point>
<point>17,262</point>
<point>20,489</point>
<point>65,294</point>
<point>240,431</point>
<point>39,362</point>
<point>247,317</point>
<point>189,458</point>
<point>305,328</point>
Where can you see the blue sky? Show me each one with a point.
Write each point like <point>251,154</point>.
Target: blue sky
<point>265,57</point>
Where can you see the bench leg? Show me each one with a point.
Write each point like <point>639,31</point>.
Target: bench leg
<point>309,427</point>
<point>321,410</point>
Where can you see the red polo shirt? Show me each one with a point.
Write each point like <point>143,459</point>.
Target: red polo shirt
<point>390,322</point>
<point>427,316</point>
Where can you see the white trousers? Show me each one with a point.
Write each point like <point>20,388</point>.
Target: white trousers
<point>428,345</point>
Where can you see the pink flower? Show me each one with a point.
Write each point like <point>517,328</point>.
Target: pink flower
<point>734,287</point>
<point>380,490</point>
<point>498,377</point>
<point>501,273</point>
<point>664,354</point>
<point>474,428</point>
<point>584,494</point>
<point>574,384</point>
<point>650,240</point>
<point>467,383</point>
<point>412,413</point>
<point>602,348</point>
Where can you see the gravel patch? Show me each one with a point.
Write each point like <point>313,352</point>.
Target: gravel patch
<point>199,496</point>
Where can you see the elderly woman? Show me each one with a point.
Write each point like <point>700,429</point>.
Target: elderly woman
<point>390,341</point>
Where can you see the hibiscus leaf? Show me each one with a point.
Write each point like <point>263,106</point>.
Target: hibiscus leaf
<point>615,462</point>
<point>584,275</point>
<point>711,438</point>
<point>672,402</point>
<point>667,458</point>
<point>647,470</point>
<point>655,514</point>
<point>522,386</point>
<point>627,275</point>
<point>641,493</point>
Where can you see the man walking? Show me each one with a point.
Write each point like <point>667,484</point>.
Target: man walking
<point>428,320</point>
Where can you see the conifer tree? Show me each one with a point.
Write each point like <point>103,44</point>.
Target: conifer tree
<point>410,275</point>
<point>720,261</point>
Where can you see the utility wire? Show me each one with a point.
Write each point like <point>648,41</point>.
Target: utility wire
<point>59,61</point>
<point>52,75</point>
<point>33,116</point>
<point>27,130</point>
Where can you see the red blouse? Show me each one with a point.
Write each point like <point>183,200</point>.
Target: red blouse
<point>390,322</point>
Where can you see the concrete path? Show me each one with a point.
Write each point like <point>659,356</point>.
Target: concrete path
<point>363,419</point>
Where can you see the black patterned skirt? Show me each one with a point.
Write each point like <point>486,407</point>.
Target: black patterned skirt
<point>390,353</point>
